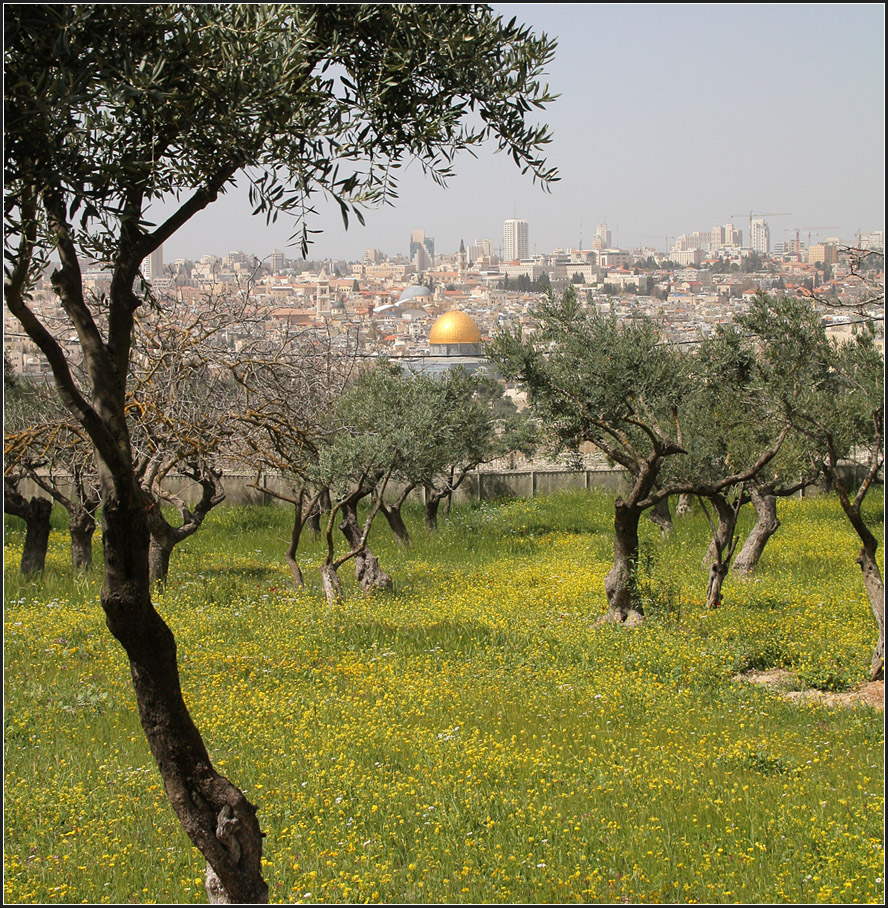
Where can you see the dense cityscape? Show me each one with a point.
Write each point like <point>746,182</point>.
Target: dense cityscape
<point>391,303</point>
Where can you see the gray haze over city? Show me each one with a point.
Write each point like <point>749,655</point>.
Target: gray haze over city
<point>671,119</point>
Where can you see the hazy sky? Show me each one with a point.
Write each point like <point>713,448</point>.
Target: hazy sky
<point>671,118</point>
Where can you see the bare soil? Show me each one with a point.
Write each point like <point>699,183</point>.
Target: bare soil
<point>786,684</point>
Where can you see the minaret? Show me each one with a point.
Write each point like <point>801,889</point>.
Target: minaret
<point>462,261</point>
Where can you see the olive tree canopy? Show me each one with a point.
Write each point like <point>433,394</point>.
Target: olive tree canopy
<point>109,108</point>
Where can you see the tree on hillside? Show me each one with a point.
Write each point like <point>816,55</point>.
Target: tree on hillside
<point>730,425</point>
<point>839,407</point>
<point>35,511</point>
<point>111,108</point>
<point>462,436</point>
<point>593,379</point>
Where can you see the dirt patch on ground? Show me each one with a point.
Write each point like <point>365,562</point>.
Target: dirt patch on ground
<point>785,683</point>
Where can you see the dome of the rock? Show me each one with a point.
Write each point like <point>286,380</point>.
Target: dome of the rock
<point>455,327</point>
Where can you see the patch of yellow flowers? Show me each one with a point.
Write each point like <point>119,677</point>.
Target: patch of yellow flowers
<point>472,737</point>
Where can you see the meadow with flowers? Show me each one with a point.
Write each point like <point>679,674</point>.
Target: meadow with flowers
<point>474,735</point>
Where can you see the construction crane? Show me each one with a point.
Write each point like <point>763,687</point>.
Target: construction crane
<point>651,236</point>
<point>759,214</point>
<point>798,246</point>
<point>814,229</point>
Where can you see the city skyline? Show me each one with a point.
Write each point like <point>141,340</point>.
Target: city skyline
<point>671,119</point>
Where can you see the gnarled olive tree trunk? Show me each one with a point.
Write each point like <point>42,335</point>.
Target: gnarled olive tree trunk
<point>164,536</point>
<point>724,541</point>
<point>766,525</point>
<point>36,513</point>
<point>620,583</point>
<point>433,499</point>
<point>869,566</point>
<point>875,591</point>
<point>367,570</point>
<point>392,512</point>
<point>215,814</point>
<point>82,528</point>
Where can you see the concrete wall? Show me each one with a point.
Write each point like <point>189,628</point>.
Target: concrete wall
<point>477,486</point>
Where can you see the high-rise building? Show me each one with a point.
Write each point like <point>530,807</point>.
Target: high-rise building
<point>759,236</point>
<point>515,245</point>
<point>419,241</point>
<point>480,249</point>
<point>152,267</point>
<point>825,253</point>
<point>602,237</point>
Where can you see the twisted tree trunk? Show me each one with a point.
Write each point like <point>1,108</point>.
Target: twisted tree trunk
<point>766,525</point>
<point>214,813</point>
<point>392,512</point>
<point>620,583</point>
<point>82,528</point>
<point>164,536</point>
<point>433,501</point>
<point>724,541</point>
<point>367,570</point>
<point>875,591</point>
<point>396,523</point>
<point>36,513</point>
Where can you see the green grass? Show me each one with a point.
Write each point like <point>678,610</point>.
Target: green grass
<point>472,736</point>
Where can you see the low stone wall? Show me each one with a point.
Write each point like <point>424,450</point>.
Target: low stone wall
<point>477,486</point>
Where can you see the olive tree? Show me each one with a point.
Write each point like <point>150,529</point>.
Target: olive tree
<point>369,445</point>
<point>594,379</point>
<point>111,108</point>
<point>291,382</point>
<point>452,432</point>
<point>182,405</point>
<point>22,454</point>
<point>731,430</point>
<point>56,456</point>
<point>591,378</point>
<point>833,393</point>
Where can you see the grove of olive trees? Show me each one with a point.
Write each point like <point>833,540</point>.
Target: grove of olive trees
<point>110,108</point>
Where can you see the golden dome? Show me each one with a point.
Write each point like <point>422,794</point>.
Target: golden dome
<point>455,327</point>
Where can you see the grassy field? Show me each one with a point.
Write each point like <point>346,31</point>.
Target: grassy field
<point>472,736</point>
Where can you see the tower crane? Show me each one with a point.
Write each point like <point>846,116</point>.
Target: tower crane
<point>661,237</point>
<point>814,229</point>
<point>760,214</point>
